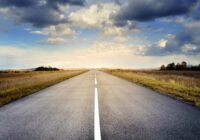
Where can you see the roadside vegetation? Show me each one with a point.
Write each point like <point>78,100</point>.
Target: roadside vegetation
<point>42,68</point>
<point>17,84</point>
<point>183,85</point>
<point>180,67</point>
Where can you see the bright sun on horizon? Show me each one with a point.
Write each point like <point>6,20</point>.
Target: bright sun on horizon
<point>93,34</point>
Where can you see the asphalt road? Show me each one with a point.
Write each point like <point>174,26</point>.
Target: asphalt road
<point>126,112</point>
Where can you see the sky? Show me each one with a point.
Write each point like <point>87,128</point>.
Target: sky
<point>136,34</point>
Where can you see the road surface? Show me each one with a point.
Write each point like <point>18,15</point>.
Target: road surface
<point>98,106</point>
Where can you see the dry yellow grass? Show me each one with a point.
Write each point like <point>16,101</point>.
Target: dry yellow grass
<point>182,85</point>
<point>17,84</point>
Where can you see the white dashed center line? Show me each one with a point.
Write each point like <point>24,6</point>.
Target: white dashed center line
<point>97,131</point>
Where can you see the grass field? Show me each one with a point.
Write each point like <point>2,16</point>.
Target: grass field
<point>184,85</point>
<point>17,84</point>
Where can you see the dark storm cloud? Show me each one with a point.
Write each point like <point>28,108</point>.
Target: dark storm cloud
<point>26,3</point>
<point>185,42</point>
<point>41,17</point>
<point>144,10</point>
<point>18,3</point>
<point>71,2</point>
<point>39,13</point>
<point>196,13</point>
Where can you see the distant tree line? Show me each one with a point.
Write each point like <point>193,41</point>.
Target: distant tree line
<point>180,66</point>
<point>42,68</point>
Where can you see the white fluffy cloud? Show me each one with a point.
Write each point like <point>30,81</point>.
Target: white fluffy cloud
<point>96,15</point>
<point>189,47</point>
<point>56,34</point>
<point>60,30</point>
<point>93,16</point>
<point>101,16</point>
<point>162,43</point>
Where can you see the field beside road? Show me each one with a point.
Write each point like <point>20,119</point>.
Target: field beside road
<point>17,84</point>
<point>183,85</point>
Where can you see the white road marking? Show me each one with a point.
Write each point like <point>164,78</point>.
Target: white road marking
<point>97,131</point>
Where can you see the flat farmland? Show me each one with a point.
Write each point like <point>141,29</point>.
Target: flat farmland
<point>183,85</point>
<point>17,84</point>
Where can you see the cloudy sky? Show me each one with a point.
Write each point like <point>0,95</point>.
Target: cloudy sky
<point>98,33</point>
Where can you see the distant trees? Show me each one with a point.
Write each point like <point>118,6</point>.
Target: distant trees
<point>180,66</point>
<point>197,68</point>
<point>42,68</point>
<point>183,65</point>
<point>163,67</point>
<point>171,66</point>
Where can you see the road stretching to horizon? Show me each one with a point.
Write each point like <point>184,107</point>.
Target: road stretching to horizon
<point>96,105</point>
